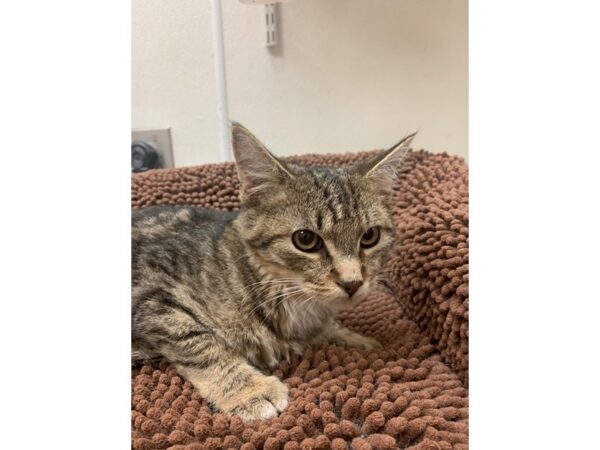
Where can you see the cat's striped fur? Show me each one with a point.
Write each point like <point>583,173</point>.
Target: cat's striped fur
<point>224,295</point>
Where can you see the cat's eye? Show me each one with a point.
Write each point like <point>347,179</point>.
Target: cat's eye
<point>307,241</point>
<point>370,238</point>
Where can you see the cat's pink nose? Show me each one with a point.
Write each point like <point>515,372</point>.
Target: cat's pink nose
<point>350,286</point>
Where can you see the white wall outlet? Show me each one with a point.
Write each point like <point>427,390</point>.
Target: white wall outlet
<point>160,139</point>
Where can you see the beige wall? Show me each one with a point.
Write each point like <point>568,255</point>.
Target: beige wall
<point>346,75</point>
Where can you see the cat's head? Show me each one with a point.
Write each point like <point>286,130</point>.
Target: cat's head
<point>325,230</point>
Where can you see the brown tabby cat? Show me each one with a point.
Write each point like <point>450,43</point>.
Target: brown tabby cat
<point>222,295</point>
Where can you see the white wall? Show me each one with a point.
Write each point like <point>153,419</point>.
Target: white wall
<point>347,74</point>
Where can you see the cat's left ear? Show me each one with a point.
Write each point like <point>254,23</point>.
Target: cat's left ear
<point>381,170</point>
<point>257,167</point>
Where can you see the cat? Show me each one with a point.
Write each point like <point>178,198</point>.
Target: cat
<point>225,295</point>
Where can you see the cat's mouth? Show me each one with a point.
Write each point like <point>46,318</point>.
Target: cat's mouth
<point>351,301</point>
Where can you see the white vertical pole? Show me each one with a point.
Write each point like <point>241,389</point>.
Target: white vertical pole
<point>219,57</point>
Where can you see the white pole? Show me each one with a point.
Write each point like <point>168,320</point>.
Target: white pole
<point>219,56</point>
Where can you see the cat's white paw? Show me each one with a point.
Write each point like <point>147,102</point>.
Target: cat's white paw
<point>264,398</point>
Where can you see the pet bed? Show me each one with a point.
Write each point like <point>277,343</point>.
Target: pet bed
<point>411,394</point>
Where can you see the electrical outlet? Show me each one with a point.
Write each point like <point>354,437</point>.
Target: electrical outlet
<point>160,139</point>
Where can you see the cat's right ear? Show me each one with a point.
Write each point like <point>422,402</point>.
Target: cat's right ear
<point>257,167</point>
<point>381,170</point>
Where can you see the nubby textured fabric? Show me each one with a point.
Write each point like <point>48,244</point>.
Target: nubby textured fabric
<point>410,394</point>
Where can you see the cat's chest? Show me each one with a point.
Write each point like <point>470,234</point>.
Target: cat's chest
<point>300,321</point>
<point>290,330</point>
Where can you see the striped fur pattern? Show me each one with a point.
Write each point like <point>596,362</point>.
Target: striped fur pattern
<point>223,296</point>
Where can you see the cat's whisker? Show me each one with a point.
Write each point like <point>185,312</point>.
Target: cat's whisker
<point>252,287</point>
<point>270,284</point>
<point>285,291</point>
<point>304,311</point>
<point>278,296</point>
<point>248,295</point>
<point>272,281</point>
<point>255,309</point>
<point>271,311</point>
<point>273,297</point>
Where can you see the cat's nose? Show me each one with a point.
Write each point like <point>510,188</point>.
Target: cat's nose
<point>350,286</point>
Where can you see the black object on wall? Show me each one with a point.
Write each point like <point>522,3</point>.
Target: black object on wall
<point>143,157</point>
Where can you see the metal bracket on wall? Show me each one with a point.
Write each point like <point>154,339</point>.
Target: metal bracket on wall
<point>271,19</point>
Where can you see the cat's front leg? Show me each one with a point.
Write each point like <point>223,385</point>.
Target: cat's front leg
<point>230,383</point>
<point>340,335</point>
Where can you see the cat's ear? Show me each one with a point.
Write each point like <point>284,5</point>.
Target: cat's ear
<point>381,169</point>
<point>257,167</point>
